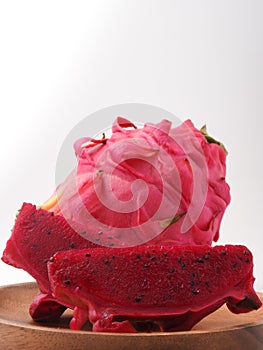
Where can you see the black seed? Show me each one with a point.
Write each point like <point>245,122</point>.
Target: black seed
<point>153,258</point>
<point>111,245</point>
<point>51,259</point>
<point>106,262</point>
<point>97,239</point>
<point>46,260</point>
<point>195,291</point>
<point>199,260</point>
<point>172,270</point>
<point>165,254</point>
<point>138,256</point>
<point>137,299</point>
<point>206,257</point>
<point>113,257</point>
<point>100,233</point>
<point>104,140</point>
<point>207,283</point>
<point>246,252</point>
<point>192,283</point>
<point>223,252</point>
<point>179,259</point>
<point>48,232</point>
<point>109,237</point>
<point>87,255</point>
<point>83,233</point>
<point>183,266</point>
<point>234,265</point>
<point>193,274</point>
<point>72,245</point>
<point>247,260</point>
<point>67,282</point>
<point>146,266</point>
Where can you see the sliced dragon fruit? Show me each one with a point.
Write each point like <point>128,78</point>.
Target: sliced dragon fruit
<point>152,287</point>
<point>45,308</point>
<point>36,236</point>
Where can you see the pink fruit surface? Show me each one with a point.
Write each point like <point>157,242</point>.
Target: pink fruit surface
<point>155,185</point>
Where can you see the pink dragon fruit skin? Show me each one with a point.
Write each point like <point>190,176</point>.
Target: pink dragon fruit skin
<point>171,179</point>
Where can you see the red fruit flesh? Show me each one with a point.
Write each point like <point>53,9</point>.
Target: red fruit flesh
<point>36,236</point>
<point>45,307</point>
<point>152,288</point>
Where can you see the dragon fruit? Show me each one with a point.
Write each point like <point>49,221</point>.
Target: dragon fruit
<point>158,194</point>
<point>154,185</point>
<point>152,287</point>
<point>36,236</point>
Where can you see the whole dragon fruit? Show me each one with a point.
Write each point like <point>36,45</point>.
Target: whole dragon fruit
<point>154,185</point>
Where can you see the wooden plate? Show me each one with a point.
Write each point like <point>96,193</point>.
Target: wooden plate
<point>220,330</point>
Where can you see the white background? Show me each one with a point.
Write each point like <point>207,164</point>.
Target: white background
<point>63,60</point>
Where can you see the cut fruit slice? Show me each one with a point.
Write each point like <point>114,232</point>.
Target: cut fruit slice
<point>36,236</point>
<point>151,287</point>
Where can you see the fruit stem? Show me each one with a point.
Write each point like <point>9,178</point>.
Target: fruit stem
<point>210,139</point>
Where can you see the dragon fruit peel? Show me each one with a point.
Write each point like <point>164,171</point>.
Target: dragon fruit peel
<point>149,185</point>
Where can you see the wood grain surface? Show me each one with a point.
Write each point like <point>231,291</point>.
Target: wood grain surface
<point>221,330</point>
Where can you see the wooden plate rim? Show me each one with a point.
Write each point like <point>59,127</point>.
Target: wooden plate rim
<point>39,327</point>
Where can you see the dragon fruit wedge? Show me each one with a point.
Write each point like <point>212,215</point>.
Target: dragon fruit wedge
<point>36,236</point>
<point>152,288</point>
<point>153,185</point>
